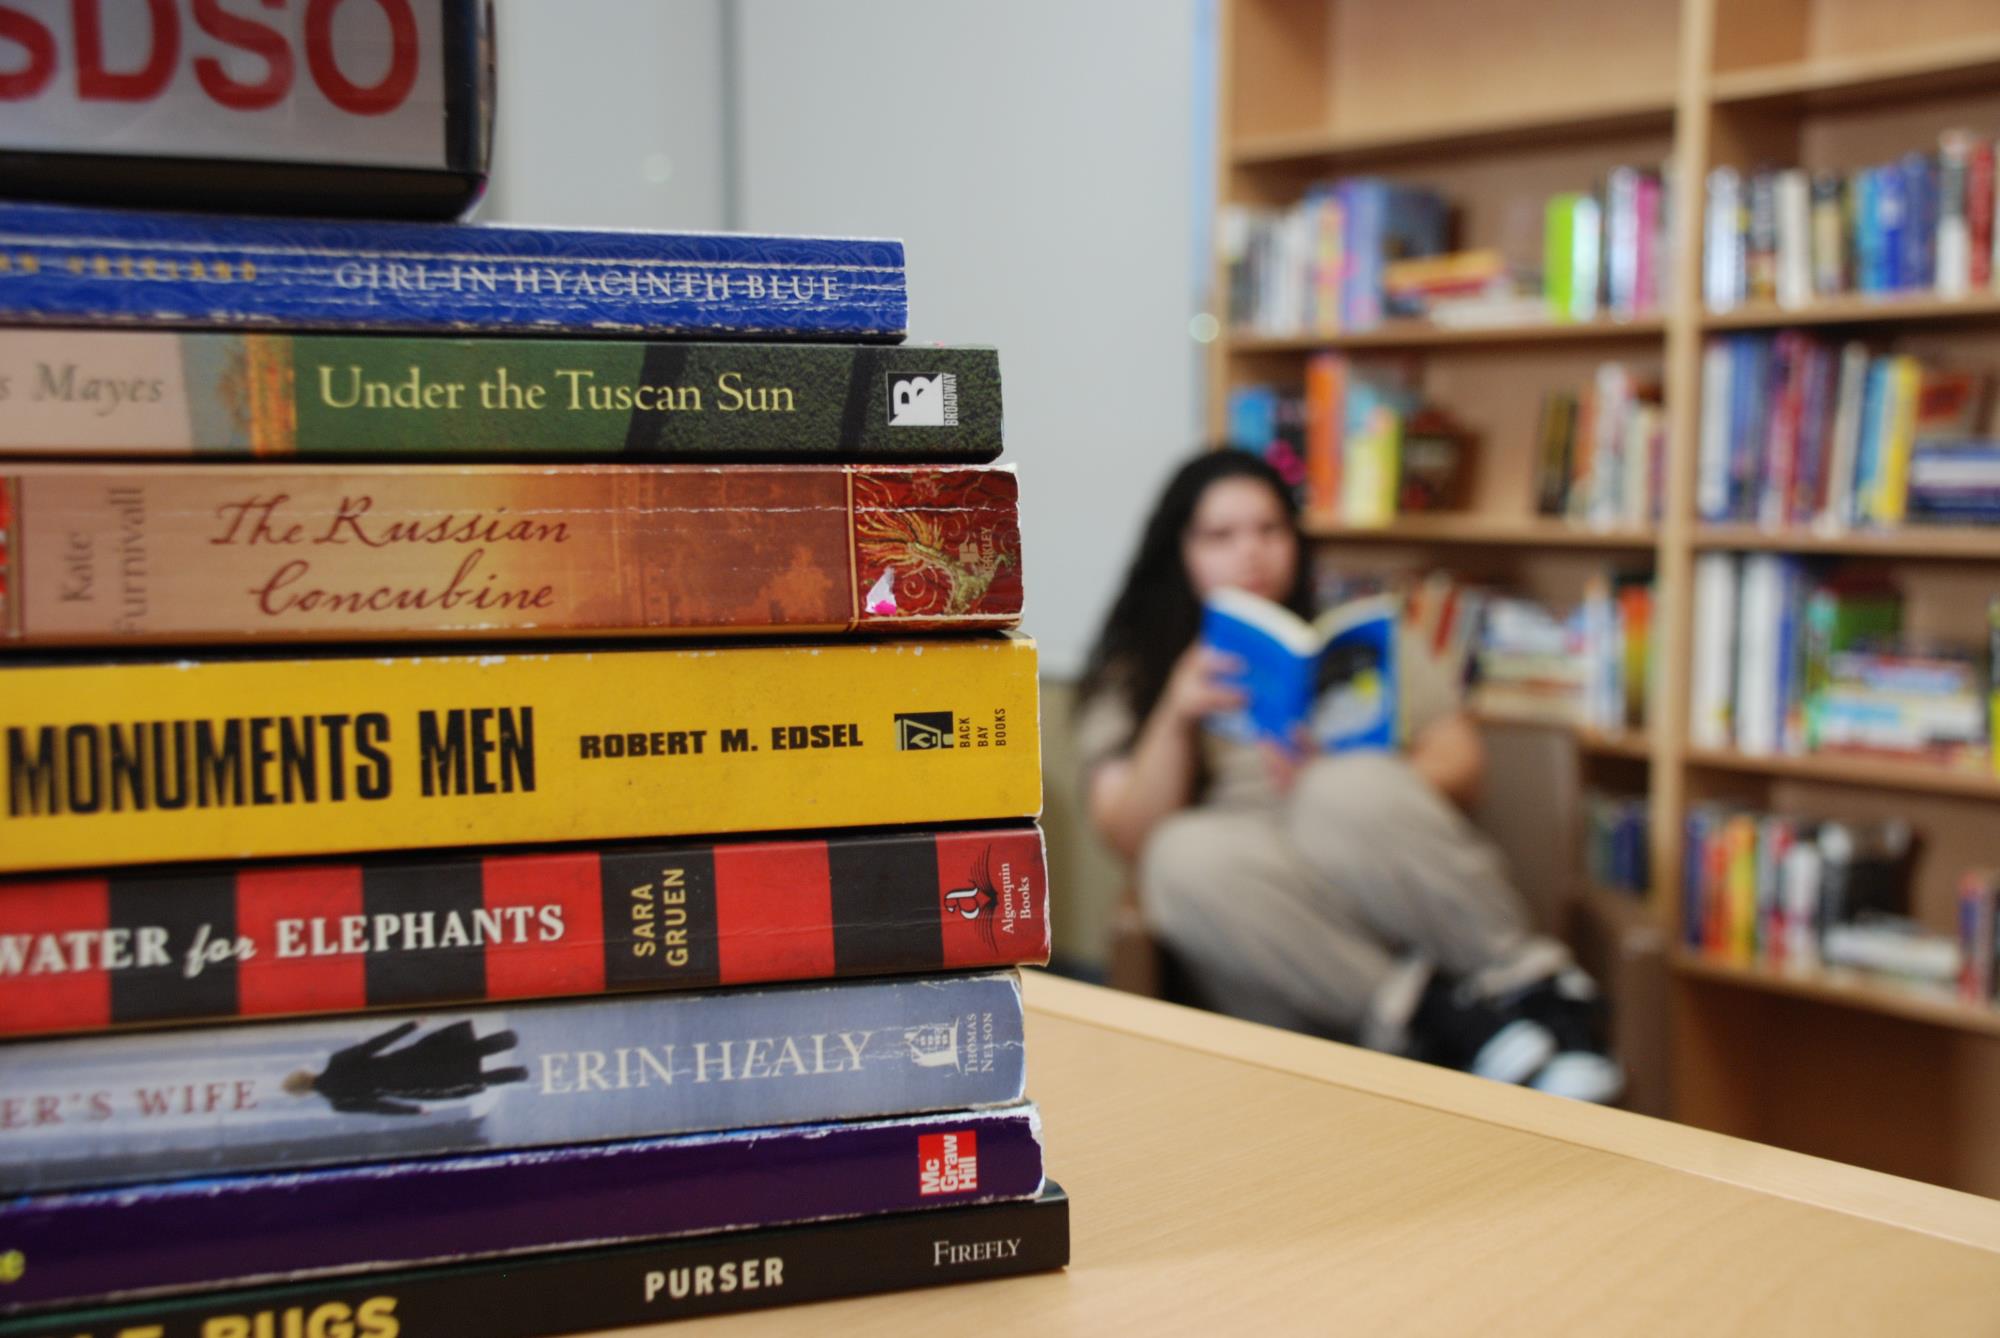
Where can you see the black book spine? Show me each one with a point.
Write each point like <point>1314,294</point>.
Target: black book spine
<point>576,1291</point>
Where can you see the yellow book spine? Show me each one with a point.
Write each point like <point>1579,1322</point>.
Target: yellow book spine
<point>244,758</point>
<point>1893,492</point>
<point>1743,889</point>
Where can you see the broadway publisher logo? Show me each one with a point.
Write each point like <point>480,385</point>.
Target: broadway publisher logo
<point>933,1045</point>
<point>948,1163</point>
<point>922,731</point>
<point>916,400</point>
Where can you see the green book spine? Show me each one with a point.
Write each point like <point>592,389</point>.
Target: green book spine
<point>1559,255</point>
<point>120,393</point>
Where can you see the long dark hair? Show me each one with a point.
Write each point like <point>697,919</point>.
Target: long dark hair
<point>1157,612</point>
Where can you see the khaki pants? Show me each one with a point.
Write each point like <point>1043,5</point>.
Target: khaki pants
<point>1300,913</point>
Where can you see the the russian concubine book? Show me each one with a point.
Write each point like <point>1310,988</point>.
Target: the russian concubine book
<point>190,554</point>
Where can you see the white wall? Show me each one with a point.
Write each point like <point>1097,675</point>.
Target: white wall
<point>1035,157</point>
<point>609,114</point>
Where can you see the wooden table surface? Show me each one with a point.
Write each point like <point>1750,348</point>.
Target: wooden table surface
<point>1228,1178</point>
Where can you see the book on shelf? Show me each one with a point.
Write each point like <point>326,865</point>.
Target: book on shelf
<point>1589,667</point>
<point>1771,887</point>
<point>250,756</point>
<point>1334,679</point>
<point>74,266</point>
<point>193,554</point>
<point>437,397</point>
<point>1922,222</point>
<point>1979,936</point>
<point>323,1091</point>
<point>1795,434</point>
<point>1571,256</point>
<point>1357,449</point>
<point>389,119</point>
<point>81,1246</point>
<point>1600,451</point>
<point>1791,663</point>
<point>1616,853</point>
<point>1357,251</point>
<point>183,943</point>
<point>553,1292</point>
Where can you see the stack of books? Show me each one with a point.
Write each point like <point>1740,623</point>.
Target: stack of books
<point>1795,431</point>
<point>1791,661</point>
<point>1923,223</point>
<point>517,820</point>
<point>1590,668</point>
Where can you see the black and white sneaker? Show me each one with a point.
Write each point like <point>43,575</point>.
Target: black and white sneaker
<point>1569,1007</point>
<point>1455,1027</point>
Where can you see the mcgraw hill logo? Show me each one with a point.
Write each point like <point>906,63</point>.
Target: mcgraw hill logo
<point>918,400</point>
<point>923,731</point>
<point>948,1163</point>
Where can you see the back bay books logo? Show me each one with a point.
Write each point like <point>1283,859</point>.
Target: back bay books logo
<point>918,400</point>
<point>948,1163</point>
<point>933,1045</point>
<point>923,731</point>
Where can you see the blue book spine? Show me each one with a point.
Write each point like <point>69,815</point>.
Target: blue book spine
<point>1920,172</point>
<point>1892,216</point>
<point>188,1234</point>
<point>118,267</point>
<point>1253,418</point>
<point>1367,208</point>
<point>1867,232</point>
<point>1692,872</point>
<point>1747,421</point>
<point>1868,453</point>
<point>263,1096</point>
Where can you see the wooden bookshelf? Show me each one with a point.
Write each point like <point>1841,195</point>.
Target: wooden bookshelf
<point>1476,531</point>
<point>1858,309</point>
<point>1628,743</point>
<point>1424,334</point>
<point>1844,80</point>
<point>1327,149</point>
<point>1548,100</point>
<point>1846,989</point>
<point>1947,543</point>
<point>1890,775</point>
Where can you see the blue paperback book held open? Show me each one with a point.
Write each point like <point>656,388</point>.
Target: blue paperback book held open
<point>1335,675</point>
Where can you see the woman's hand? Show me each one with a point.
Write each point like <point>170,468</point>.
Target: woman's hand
<point>1199,685</point>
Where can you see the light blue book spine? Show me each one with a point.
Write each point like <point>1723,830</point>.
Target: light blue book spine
<point>121,1107</point>
<point>61,265</point>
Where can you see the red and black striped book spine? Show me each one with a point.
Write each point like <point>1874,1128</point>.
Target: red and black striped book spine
<point>188,944</point>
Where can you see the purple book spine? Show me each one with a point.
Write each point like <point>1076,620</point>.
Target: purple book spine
<point>194,1234</point>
